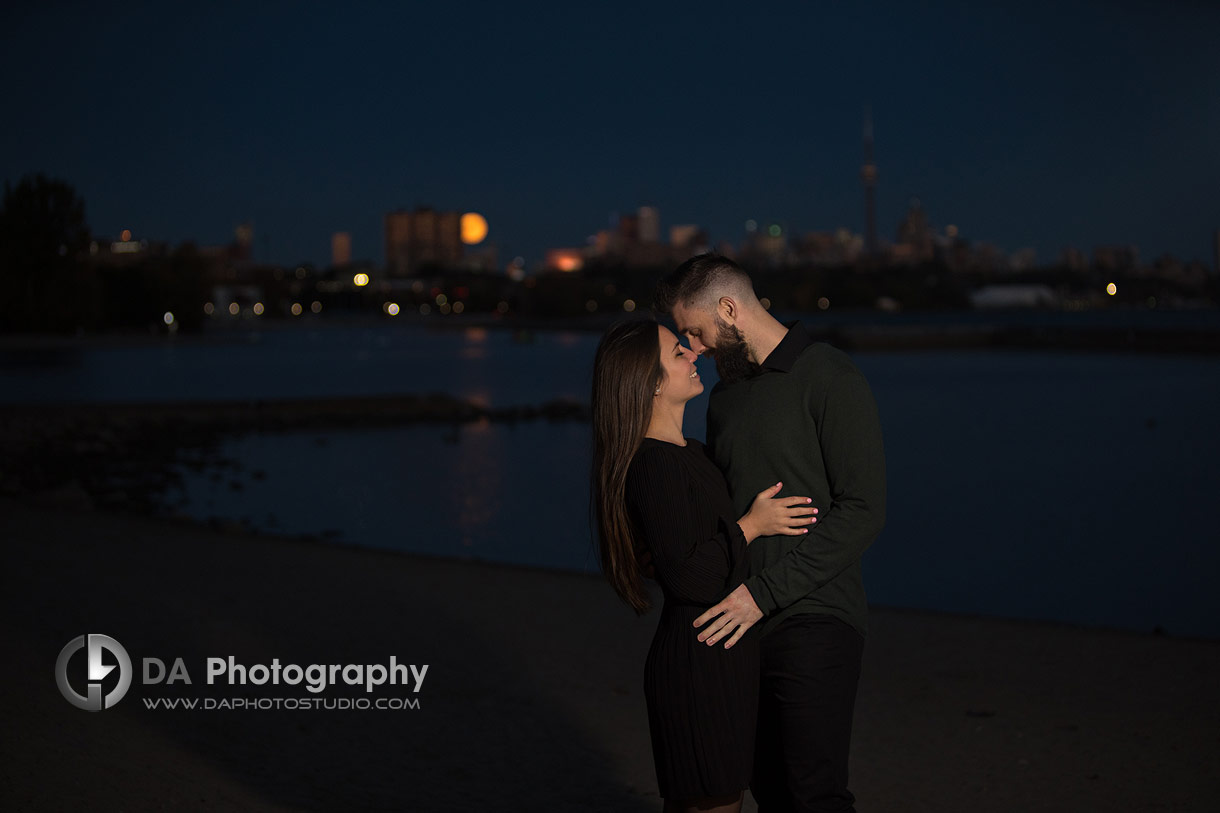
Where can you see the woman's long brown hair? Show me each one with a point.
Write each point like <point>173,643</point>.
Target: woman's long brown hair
<point>626,371</point>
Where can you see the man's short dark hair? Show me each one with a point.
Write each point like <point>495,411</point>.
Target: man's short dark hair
<point>694,279</point>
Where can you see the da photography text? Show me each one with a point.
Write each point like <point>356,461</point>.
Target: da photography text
<point>103,655</point>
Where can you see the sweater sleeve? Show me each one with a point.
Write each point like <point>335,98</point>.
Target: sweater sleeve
<point>693,549</point>
<point>849,433</point>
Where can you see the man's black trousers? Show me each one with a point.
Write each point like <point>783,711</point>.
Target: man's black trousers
<point>810,669</point>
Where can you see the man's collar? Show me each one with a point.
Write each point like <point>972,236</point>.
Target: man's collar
<point>789,348</point>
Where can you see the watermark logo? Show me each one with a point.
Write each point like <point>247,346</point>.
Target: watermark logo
<point>97,671</point>
<point>314,678</point>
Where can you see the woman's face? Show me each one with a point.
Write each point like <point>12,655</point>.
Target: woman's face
<point>681,382</point>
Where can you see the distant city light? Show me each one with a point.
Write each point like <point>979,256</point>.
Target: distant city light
<point>629,305</point>
<point>300,272</point>
<point>502,307</point>
<point>361,280</point>
<point>591,305</point>
<point>297,310</point>
<point>392,309</point>
<point>474,228</point>
<point>441,299</point>
<point>125,235</point>
<point>209,308</point>
<point>458,307</point>
<point>774,230</point>
<point>565,259</point>
<point>234,308</point>
<point>1111,289</point>
<point>425,309</point>
<point>751,226</point>
<point>316,307</point>
<point>445,309</point>
<point>823,303</point>
<point>951,230</point>
<point>168,318</point>
<point>258,308</point>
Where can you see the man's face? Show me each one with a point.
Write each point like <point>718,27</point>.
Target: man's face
<point>698,326</point>
<point>709,335</point>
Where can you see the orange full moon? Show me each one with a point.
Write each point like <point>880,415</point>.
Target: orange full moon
<point>474,228</point>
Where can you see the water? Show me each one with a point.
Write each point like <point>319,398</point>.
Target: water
<point>467,491</point>
<point>1063,487</point>
<point>325,358</point>
<point>497,367</point>
<point>1072,488</point>
<point>498,492</point>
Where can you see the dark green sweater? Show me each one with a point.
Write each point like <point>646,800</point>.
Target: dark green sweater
<point>809,419</point>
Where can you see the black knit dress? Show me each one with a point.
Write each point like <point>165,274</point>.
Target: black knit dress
<point>702,701</point>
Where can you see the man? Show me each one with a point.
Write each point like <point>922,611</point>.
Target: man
<point>791,410</point>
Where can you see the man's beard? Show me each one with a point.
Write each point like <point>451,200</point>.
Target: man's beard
<point>732,355</point>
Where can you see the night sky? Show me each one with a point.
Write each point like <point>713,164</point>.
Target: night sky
<point>1034,124</point>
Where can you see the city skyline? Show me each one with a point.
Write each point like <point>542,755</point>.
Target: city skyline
<point>1083,127</point>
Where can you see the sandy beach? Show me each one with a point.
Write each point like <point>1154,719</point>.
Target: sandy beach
<point>532,699</point>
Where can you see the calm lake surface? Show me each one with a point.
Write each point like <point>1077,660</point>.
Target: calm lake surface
<point>1065,487</point>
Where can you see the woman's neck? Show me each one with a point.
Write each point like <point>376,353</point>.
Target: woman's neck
<point>666,424</point>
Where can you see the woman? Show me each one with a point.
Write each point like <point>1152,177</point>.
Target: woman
<point>662,505</point>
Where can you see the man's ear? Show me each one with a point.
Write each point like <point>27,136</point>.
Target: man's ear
<point>727,310</point>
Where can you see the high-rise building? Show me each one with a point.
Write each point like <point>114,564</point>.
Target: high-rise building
<point>1073,259</point>
<point>340,248</point>
<point>649,223</point>
<point>447,250</point>
<point>397,241</point>
<point>914,238</point>
<point>629,229</point>
<point>868,174</point>
<point>1116,258</point>
<point>422,238</point>
<point>767,247</point>
<point>687,236</point>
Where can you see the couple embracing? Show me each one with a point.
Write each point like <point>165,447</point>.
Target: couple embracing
<point>755,540</point>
